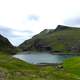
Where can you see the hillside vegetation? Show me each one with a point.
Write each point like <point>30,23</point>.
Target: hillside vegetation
<point>14,69</point>
<point>61,39</point>
<point>6,46</point>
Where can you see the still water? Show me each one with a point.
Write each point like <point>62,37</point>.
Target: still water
<point>37,57</point>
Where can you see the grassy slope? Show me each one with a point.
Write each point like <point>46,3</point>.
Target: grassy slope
<point>61,40</point>
<point>14,69</point>
<point>72,65</point>
<point>5,45</point>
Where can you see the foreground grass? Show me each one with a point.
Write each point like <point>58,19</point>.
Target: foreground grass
<point>72,65</point>
<point>14,69</point>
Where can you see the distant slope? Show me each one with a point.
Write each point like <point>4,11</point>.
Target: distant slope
<point>61,39</point>
<point>5,45</point>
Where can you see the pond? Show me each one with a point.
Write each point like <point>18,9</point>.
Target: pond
<point>41,58</point>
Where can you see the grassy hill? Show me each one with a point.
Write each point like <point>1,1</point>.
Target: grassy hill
<point>61,39</point>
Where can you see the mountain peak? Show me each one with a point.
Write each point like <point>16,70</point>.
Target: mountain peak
<point>62,27</point>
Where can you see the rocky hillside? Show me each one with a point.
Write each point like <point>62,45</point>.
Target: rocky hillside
<point>5,45</point>
<point>61,39</point>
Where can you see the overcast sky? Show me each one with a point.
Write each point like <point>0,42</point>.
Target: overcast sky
<point>21,19</point>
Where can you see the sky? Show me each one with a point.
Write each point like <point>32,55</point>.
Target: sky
<point>22,19</point>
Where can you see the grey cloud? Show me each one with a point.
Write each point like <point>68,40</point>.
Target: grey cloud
<point>73,21</point>
<point>33,17</point>
<point>9,32</point>
<point>5,31</point>
<point>25,31</point>
<point>13,38</point>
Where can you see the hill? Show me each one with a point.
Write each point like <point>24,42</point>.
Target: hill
<point>61,39</point>
<point>5,45</point>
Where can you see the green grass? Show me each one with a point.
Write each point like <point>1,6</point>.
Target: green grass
<point>72,65</point>
<point>14,69</point>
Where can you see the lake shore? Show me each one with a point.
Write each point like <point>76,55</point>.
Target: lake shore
<point>48,64</point>
<point>53,53</point>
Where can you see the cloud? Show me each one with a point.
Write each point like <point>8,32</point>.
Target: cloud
<point>33,18</point>
<point>5,31</point>
<point>75,21</point>
<point>12,32</point>
<point>24,18</point>
<point>15,36</point>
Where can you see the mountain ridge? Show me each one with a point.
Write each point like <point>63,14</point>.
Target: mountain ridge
<point>61,39</point>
